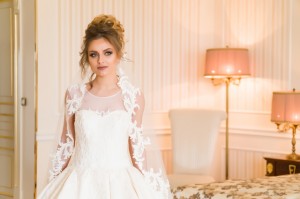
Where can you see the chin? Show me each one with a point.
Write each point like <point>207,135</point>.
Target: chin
<point>102,74</point>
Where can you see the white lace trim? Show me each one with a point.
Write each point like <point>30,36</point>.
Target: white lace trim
<point>100,113</point>
<point>129,94</point>
<point>65,148</point>
<point>157,183</point>
<point>63,153</point>
<point>154,179</point>
<point>139,143</point>
<point>74,102</point>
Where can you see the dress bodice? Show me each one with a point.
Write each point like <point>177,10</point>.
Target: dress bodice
<point>101,139</point>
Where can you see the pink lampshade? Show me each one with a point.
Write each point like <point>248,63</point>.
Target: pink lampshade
<point>227,62</point>
<point>286,107</point>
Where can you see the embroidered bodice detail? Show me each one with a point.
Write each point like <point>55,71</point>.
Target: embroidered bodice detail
<point>103,126</point>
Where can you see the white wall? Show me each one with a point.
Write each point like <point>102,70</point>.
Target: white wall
<point>167,41</point>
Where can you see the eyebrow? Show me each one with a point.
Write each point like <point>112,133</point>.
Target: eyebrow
<point>103,50</point>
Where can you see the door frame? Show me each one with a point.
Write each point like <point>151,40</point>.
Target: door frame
<point>25,73</point>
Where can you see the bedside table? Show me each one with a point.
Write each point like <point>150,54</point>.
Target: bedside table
<point>281,166</point>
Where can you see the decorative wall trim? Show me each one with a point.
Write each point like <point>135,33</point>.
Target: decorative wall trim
<point>255,150</point>
<point>167,131</point>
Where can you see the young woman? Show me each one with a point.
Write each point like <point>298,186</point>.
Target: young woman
<point>101,154</point>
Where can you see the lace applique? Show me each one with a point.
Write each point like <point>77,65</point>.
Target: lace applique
<point>129,92</point>
<point>73,103</point>
<point>154,179</point>
<point>63,153</point>
<point>139,143</point>
<point>101,113</point>
<point>157,183</point>
<point>65,146</point>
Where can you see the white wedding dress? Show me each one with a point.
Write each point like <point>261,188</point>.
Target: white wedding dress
<point>96,151</point>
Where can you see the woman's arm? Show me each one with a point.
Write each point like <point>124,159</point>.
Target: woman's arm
<point>137,119</point>
<point>66,142</point>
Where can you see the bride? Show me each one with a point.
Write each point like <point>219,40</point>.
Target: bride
<point>101,152</point>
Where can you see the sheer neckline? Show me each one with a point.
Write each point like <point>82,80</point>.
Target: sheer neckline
<point>102,113</point>
<point>103,97</point>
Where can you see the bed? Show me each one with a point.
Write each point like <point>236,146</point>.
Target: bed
<point>275,187</point>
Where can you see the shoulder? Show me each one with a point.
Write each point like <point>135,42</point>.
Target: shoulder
<point>73,97</point>
<point>75,90</point>
<point>133,96</point>
<point>128,88</point>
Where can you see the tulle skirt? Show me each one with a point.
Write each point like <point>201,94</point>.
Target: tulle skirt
<point>91,183</point>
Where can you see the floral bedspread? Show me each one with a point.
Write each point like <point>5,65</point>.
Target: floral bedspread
<point>275,187</point>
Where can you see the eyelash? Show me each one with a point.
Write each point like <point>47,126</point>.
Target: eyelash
<point>108,53</point>
<point>93,55</point>
<point>96,54</point>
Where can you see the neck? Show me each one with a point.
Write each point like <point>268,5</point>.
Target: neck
<point>106,83</point>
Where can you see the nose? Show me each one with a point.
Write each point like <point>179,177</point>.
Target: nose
<point>100,60</point>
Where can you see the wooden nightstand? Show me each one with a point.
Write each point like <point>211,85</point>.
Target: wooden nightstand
<point>281,166</point>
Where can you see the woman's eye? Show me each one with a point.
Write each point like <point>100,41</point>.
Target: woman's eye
<point>108,53</point>
<point>93,54</point>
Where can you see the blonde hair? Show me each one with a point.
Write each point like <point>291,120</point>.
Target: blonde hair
<point>102,26</point>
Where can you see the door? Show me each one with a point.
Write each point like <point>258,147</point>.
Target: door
<point>6,100</point>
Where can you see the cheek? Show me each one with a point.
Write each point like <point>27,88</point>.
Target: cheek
<point>117,60</point>
<point>91,61</point>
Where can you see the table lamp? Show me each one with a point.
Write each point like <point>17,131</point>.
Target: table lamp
<point>286,115</point>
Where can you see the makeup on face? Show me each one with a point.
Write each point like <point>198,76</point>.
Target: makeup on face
<point>102,57</point>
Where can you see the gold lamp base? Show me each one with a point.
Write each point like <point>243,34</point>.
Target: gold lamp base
<point>284,127</point>
<point>293,156</point>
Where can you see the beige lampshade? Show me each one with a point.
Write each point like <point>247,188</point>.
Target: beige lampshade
<point>286,107</point>
<point>226,62</point>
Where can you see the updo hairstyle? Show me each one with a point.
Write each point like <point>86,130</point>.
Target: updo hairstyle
<point>102,26</point>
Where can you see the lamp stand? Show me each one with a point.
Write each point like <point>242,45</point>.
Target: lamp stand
<point>283,127</point>
<point>227,82</point>
<point>293,155</point>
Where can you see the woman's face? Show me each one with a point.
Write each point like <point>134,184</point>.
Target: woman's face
<point>102,58</point>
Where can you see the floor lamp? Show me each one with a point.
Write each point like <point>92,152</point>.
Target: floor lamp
<point>226,65</point>
<point>286,115</point>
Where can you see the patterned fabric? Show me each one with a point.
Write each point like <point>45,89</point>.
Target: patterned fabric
<point>276,187</point>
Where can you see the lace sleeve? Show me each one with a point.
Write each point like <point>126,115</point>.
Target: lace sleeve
<point>146,156</point>
<point>137,141</point>
<point>65,146</point>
